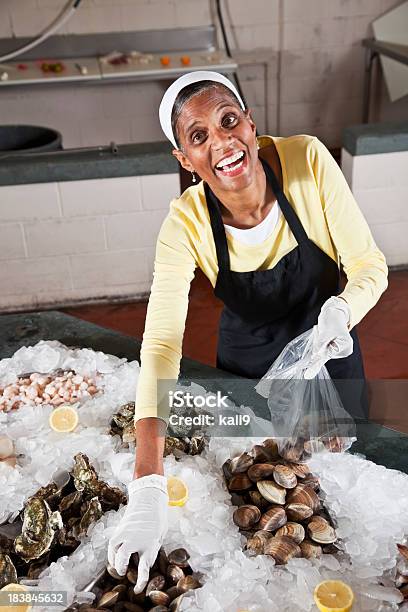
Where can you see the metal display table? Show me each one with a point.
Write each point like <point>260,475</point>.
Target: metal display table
<point>379,444</point>
<point>373,50</point>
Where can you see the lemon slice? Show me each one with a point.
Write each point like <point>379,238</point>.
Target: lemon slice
<point>63,419</point>
<point>15,607</point>
<point>333,596</point>
<point>177,490</point>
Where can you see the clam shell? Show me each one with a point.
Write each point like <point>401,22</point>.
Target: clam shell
<point>241,463</point>
<point>284,476</point>
<point>173,592</point>
<point>260,471</point>
<point>226,468</point>
<point>246,516</point>
<point>256,498</point>
<point>311,481</point>
<point>282,548</point>
<point>159,598</point>
<point>176,603</point>
<point>155,584</point>
<point>179,556</point>
<point>293,453</point>
<point>321,531</point>
<point>131,575</point>
<point>295,531</point>
<point>188,583</point>
<point>261,454</point>
<point>301,470</point>
<point>272,447</point>
<point>112,572</point>
<point>255,544</point>
<point>174,573</point>
<point>403,550</point>
<point>239,482</point>
<point>271,491</point>
<point>272,519</point>
<point>108,599</point>
<point>304,495</point>
<point>298,512</point>
<point>310,550</point>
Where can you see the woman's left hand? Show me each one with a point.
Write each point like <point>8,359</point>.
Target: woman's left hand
<point>332,338</point>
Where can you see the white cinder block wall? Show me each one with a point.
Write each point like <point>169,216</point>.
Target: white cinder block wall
<point>314,86</point>
<point>80,240</point>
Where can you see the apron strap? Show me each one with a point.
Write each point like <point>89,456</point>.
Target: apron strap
<point>288,212</point>
<point>220,237</point>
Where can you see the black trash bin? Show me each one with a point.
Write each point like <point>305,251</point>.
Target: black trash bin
<point>21,139</point>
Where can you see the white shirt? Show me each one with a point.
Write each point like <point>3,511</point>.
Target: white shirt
<point>255,235</point>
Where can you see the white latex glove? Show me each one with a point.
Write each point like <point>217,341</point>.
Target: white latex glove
<point>331,337</point>
<point>142,528</point>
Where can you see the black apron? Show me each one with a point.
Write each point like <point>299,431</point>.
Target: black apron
<point>266,309</point>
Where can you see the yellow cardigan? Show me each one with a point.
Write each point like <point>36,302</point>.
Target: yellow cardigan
<point>318,191</point>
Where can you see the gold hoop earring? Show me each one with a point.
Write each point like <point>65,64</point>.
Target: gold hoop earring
<point>194,178</point>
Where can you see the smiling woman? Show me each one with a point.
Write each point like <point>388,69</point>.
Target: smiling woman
<point>274,287</point>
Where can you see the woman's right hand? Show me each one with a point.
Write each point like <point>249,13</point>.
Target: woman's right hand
<point>142,528</point>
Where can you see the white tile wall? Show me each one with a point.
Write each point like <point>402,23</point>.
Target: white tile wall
<point>380,186</point>
<point>81,240</point>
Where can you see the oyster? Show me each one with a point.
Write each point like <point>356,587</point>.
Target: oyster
<point>298,512</point>
<point>272,519</point>
<point>302,494</point>
<point>177,446</point>
<point>246,516</point>
<point>271,491</point>
<point>321,531</point>
<point>295,531</point>
<point>260,471</point>
<point>8,572</point>
<point>284,476</point>
<point>39,527</point>
<point>282,548</point>
<point>85,477</point>
<point>91,512</point>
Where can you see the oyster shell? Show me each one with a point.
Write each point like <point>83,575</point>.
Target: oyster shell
<point>85,477</point>
<point>8,572</point>
<point>271,491</point>
<point>302,494</point>
<point>282,548</point>
<point>295,531</point>
<point>39,526</point>
<point>246,516</point>
<point>321,531</point>
<point>272,519</point>
<point>284,476</point>
<point>310,549</point>
<point>260,471</point>
<point>298,512</point>
<point>92,512</point>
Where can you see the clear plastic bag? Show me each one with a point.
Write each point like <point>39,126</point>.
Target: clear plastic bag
<point>307,415</point>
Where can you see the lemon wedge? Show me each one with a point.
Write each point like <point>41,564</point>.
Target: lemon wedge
<point>15,607</point>
<point>177,490</point>
<point>333,596</point>
<point>63,419</point>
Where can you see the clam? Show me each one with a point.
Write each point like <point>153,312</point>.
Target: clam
<point>246,516</point>
<point>282,548</point>
<point>272,519</point>
<point>293,453</point>
<point>260,471</point>
<point>155,584</point>
<point>131,575</point>
<point>237,499</point>
<point>256,498</point>
<point>400,580</point>
<point>157,609</point>
<point>321,531</point>
<point>271,491</point>
<point>179,556</point>
<point>174,573</point>
<point>272,447</point>
<point>261,454</point>
<point>304,495</point>
<point>403,550</point>
<point>162,562</point>
<point>239,482</point>
<point>112,572</point>
<point>176,603</point>
<point>301,470</point>
<point>173,592</point>
<point>298,512</point>
<point>108,599</point>
<point>159,598</point>
<point>255,544</point>
<point>295,531</point>
<point>311,481</point>
<point>187,583</point>
<point>241,463</point>
<point>284,476</point>
<point>310,550</point>
<point>226,468</point>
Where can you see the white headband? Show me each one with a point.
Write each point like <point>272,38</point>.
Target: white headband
<point>167,103</point>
